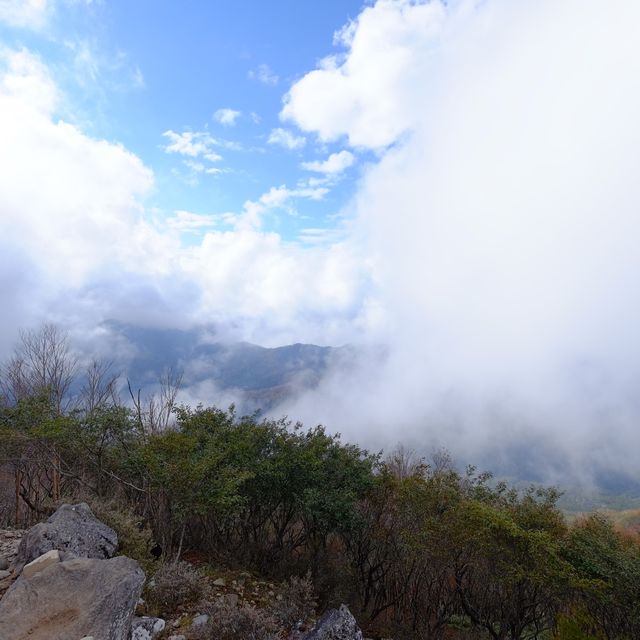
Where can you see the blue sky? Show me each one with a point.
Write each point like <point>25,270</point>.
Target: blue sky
<point>132,71</point>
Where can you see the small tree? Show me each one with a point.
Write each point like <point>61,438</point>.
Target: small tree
<point>607,585</point>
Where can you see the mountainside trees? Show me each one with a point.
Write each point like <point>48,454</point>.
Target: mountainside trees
<point>418,550</point>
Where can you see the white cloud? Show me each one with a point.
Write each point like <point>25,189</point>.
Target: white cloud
<point>188,143</point>
<point>286,139</point>
<point>247,276</point>
<point>265,75</point>
<point>369,93</point>
<point>336,163</point>
<point>187,221</point>
<point>31,14</point>
<point>194,165</point>
<point>276,198</point>
<point>501,228</point>
<point>319,236</point>
<point>77,246</point>
<point>196,147</point>
<point>99,70</point>
<point>226,117</point>
<point>70,202</point>
<point>26,79</point>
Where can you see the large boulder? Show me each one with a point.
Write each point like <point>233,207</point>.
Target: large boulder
<point>73,599</point>
<point>73,530</point>
<point>336,624</point>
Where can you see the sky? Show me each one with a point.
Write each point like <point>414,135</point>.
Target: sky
<point>454,181</point>
<point>156,134</point>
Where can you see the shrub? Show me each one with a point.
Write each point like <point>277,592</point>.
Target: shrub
<point>132,540</point>
<point>174,584</point>
<point>296,602</point>
<point>228,622</point>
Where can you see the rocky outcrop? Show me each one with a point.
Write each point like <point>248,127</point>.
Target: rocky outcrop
<point>336,624</point>
<point>73,599</point>
<point>74,531</point>
<point>65,583</point>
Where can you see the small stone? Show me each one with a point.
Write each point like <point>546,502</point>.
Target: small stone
<point>200,621</point>
<point>180,637</point>
<point>231,599</point>
<point>159,625</point>
<point>41,563</point>
<point>140,633</point>
<point>146,627</point>
<point>4,574</point>
<point>336,624</point>
<point>4,564</point>
<point>220,582</point>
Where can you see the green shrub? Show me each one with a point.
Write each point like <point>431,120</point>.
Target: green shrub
<point>132,540</point>
<point>572,628</point>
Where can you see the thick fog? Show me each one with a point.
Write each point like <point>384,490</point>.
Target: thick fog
<point>503,226</point>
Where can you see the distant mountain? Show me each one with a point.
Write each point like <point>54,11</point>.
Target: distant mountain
<point>255,377</point>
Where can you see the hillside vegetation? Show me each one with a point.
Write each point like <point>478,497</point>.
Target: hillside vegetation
<point>417,550</point>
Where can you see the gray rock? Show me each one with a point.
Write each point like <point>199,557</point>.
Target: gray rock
<point>4,574</point>
<point>4,564</point>
<point>231,599</point>
<point>146,628</point>
<point>178,637</point>
<point>220,582</point>
<point>73,599</point>
<point>140,633</point>
<point>41,563</point>
<point>199,621</point>
<point>336,624</point>
<point>73,530</point>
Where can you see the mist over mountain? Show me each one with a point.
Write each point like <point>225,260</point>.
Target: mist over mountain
<point>305,380</point>
<point>214,370</point>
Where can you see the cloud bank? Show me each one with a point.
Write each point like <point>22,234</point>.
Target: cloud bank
<point>79,245</point>
<point>501,223</point>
